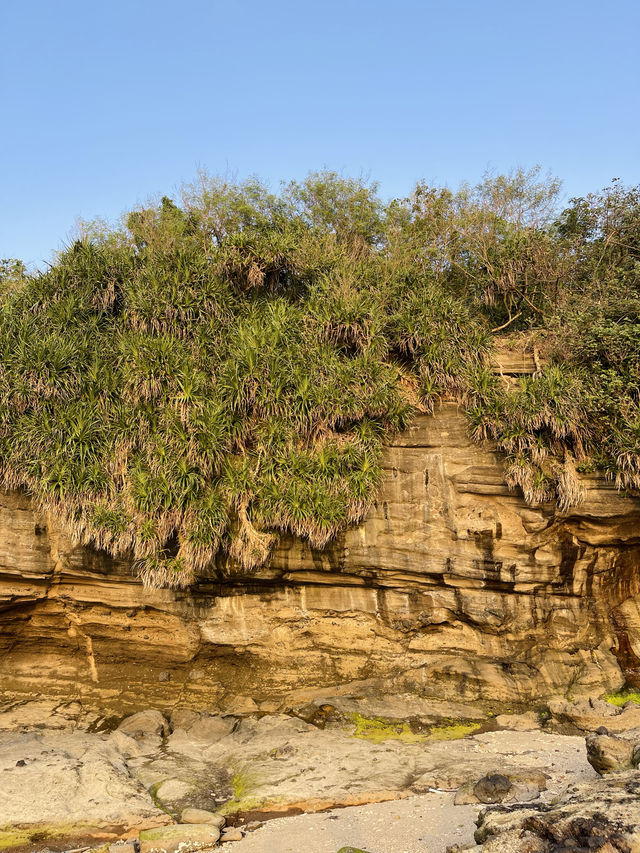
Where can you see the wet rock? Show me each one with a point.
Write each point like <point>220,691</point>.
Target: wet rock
<point>191,815</point>
<point>185,837</point>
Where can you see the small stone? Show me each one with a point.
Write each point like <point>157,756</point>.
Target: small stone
<point>164,676</point>
<point>186,837</point>
<point>191,815</point>
<point>21,763</point>
<point>232,834</point>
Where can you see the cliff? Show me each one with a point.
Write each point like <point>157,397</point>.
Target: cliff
<point>452,587</point>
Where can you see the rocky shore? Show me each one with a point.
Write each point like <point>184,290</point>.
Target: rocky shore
<point>564,775</point>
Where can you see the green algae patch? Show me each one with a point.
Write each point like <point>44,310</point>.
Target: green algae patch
<point>379,730</point>
<point>454,731</point>
<point>621,697</point>
<point>14,838</point>
<point>17,836</point>
<point>247,804</point>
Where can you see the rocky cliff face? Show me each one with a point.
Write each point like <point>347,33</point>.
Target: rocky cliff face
<point>452,587</point>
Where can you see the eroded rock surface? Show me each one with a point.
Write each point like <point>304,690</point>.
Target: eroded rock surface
<point>601,815</point>
<point>452,588</point>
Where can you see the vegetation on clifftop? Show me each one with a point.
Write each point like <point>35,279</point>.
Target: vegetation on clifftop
<point>225,368</point>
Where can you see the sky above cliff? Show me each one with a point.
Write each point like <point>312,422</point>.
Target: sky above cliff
<point>106,104</point>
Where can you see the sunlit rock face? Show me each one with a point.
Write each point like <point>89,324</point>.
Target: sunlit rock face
<point>453,588</point>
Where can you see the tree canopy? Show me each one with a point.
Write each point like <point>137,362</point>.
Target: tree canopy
<point>225,366</point>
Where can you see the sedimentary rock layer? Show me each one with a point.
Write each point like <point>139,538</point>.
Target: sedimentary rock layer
<point>452,587</point>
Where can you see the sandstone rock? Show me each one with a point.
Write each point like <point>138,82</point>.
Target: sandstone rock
<point>173,790</point>
<point>519,722</point>
<point>191,815</point>
<point>232,833</point>
<point>185,837</point>
<point>144,723</point>
<point>212,729</point>
<point>452,586</point>
<point>182,718</point>
<point>591,714</point>
<point>608,754</point>
<point>70,777</point>
<point>465,796</point>
<point>127,746</point>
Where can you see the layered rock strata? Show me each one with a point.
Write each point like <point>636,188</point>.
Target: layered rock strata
<point>452,587</point>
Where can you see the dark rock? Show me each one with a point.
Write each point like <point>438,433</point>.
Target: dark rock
<point>602,815</point>
<point>492,788</point>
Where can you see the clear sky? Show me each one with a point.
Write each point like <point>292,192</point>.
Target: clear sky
<point>105,102</point>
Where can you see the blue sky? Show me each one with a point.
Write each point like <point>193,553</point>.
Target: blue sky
<point>107,103</point>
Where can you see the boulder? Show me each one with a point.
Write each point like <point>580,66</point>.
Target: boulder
<point>609,754</point>
<point>182,718</point>
<point>145,723</point>
<point>492,788</point>
<point>513,787</point>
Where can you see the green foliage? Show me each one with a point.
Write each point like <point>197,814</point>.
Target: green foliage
<point>621,697</point>
<point>226,369</point>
